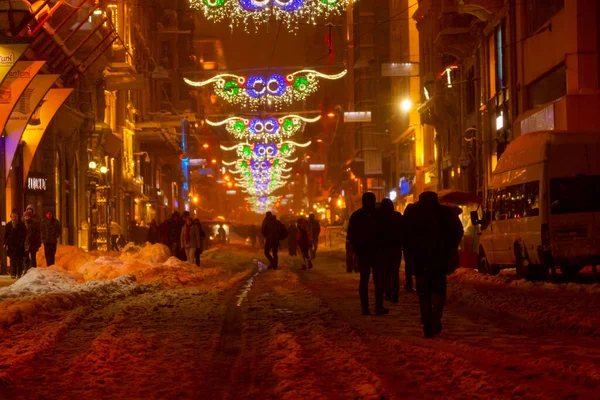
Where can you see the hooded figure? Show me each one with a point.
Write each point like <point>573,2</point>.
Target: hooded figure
<point>433,231</point>
<point>33,240</point>
<point>362,236</point>
<point>51,231</point>
<point>390,230</point>
<point>14,243</point>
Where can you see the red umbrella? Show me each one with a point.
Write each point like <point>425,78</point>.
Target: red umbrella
<point>451,196</point>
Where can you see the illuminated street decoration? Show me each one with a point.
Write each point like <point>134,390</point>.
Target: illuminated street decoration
<point>267,130</point>
<point>275,90</point>
<point>260,177</point>
<point>259,12</point>
<point>261,204</point>
<point>271,151</point>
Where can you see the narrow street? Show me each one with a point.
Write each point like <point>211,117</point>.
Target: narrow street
<point>299,334</point>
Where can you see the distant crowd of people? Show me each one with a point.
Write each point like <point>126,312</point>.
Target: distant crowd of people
<point>428,234</point>
<point>24,236</point>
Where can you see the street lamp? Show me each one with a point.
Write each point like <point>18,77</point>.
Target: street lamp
<point>92,165</point>
<point>146,155</point>
<point>103,169</point>
<point>406,105</point>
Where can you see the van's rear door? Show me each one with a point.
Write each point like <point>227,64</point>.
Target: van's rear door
<point>574,206</point>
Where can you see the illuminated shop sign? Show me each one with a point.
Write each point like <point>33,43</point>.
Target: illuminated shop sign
<point>317,167</point>
<point>37,183</point>
<point>357,116</point>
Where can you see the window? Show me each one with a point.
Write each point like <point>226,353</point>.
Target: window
<point>549,87</point>
<point>517,201</point>
<point>575,195</point>
<point>539,12</point>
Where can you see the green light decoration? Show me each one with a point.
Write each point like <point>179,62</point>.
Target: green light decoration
<point>231,88</point>
<point>269,151</point>
<point>301,84</point>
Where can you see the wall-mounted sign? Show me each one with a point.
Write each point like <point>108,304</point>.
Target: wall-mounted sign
<point>206,171</point>
<point>317,167</point>
<point>9,55</point>
<point>400,69</point>
<point>37,183</point>
<point>543,120</point>
<point>231,192</point>
<point>357,116</point>
<point>194,162</point>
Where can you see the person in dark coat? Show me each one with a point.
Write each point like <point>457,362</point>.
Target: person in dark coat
<point>14,243</point>
<point>315,231</point>
<point>200,249</point>
<point>253,233</point>
<point>362,236</point>
<point>174,234</point>
<point>292,239</point>
<point>51,230</point>
<point>390,226</point>
<point>304,243</point>
<point>272,231</point>
<point>408,262</point>
<point>433,230</point>
<point>33,240</point>
<point>163,230</point>
<point>153,233</point>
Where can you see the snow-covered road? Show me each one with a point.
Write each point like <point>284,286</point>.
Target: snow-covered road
<point>173,332</point>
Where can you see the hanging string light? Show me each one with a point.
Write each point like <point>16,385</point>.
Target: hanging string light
<point>267,129</point>
<point>259,12</point>
<point>272,151</point>
<point>275,90</point>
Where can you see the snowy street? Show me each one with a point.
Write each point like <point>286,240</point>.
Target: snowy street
<point>142,326</point>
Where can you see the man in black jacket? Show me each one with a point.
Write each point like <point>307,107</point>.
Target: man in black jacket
<point>433,230</point>
<point>362,236</point>
<point>273,231</point>
<point>51,230</point>
<point>390,227</point>
<point>14,243</point>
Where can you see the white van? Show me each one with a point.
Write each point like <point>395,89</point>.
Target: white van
<point>542,209</point>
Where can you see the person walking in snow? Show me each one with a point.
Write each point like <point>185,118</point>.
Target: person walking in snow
<point>253,233</point>
<point>292,239</point>
<point>51,231</point>
<point>14,243</point>
<point>200,249</point>
<point>315,231</point>
<point>390,226</point>
<point>33,240</point>
<point>362,236</point>
<point>115,233</point>
<point>174,234</point>
<point>273,231</point>
<point>433,231</point>
<point>190,239</point>
<point>409,267</point>
<point>303,239</point>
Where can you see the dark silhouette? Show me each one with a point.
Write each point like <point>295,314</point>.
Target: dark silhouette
<point>390,227</point>
<point>174,234</point>
<point>14,243</point>
<point>253,233</point>
<point>315,231</point>
<point>292,239</point>
<point>409,267</point>
<point>200,249</point>
<point>115,232</point>
<point>153,233</point>
<point>50,230</point>
<point>362,235</point>
<point>222,234</point>
<point>33,241</point>
<point>304,243</point>
<point>273,231</point>
<point>433,232</point>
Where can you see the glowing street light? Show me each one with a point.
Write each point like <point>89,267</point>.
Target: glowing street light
<point>205,145</point>
<point>103,169</point>
<point>331,114</point>
<point>214,161</point>
<point>195,199</point>
<point>92,165</point>
<point>406,105</point>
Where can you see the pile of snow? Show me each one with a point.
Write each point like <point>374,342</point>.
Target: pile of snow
<point>509,277</point>
<point>151,253</point>
<point>40,281</point>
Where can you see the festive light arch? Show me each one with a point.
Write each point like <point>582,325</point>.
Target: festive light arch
<point>276,89</point>
<point>264,129</point>
<point>271,151</point>
<point>259,12</point>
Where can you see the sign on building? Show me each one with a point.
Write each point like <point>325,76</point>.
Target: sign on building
<point>357,116</point>
<point>37,183</point>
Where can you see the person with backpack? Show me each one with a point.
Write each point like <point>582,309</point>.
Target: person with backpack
<point>433,234</point>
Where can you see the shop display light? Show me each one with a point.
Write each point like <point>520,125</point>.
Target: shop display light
<point>254,91</point>
<point>259,12</point>
<point>264,129</point>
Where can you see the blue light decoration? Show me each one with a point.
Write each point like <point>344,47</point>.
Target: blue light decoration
<point>185,161</point>
<point>269,129</point>
<point>275,90</point>
<point>259,12</point>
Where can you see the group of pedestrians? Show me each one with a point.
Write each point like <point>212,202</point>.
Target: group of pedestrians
<point>25,235</point>
<point>428,234</point>
<point>184,236</point>
<point>301,235</point>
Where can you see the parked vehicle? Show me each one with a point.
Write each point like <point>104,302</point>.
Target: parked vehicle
<point>542,209</point>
